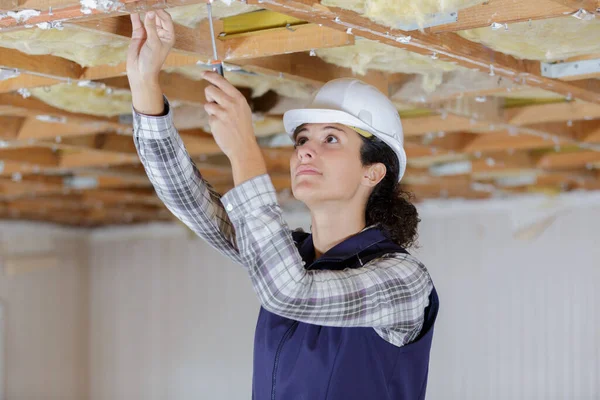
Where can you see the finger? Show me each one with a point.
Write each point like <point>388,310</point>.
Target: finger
<point>166,20</point>
<point>136,22</point>
<point>216,95</point>
<point>137,29</point>
<point>133,51</point>
<point>213,109</point>
<point>150,24</point>
<point>138,37</point>
<point>221,83</point>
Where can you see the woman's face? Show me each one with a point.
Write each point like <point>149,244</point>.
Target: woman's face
<point>326,164</point>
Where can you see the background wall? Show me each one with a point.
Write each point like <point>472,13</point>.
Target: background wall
<point>519,316</point>
<point>46,314</point>
<point>171,319</point>
<point>153,313</point>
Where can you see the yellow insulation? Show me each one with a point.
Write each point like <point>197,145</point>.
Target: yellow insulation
<point>92,48</point>
<point>76,99</point>
<point>259,84</point>
<point>394,12</point>
<point>367,54</point>
<point>87,48</point>
<point>190,15</point>
<point>546,40</point>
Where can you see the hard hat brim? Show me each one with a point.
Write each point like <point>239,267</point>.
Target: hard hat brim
<point>292,119</point>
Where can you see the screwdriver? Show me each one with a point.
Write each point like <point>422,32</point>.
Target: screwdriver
<point>217,65</point>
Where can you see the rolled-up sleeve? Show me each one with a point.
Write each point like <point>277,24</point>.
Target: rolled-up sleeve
<point>179,184</point>
<point>390,292</point>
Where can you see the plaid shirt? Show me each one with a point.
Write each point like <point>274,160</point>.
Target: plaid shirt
<point>388,293</point>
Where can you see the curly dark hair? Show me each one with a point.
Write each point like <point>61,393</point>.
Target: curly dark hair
<point>389,204</point>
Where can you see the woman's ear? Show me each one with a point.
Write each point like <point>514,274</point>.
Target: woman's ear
<point>374,174</point>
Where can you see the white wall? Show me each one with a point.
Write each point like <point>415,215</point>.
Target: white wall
<point>171,319</point>
<point>518,318</point>
<point>45,343</point>
<point>161,315</point>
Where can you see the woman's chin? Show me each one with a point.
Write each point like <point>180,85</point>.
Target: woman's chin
<point>305,189</point>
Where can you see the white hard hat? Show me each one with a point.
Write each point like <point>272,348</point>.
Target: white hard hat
<point>358,105</point>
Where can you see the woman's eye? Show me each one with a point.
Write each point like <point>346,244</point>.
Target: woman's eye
<point>300,141</point>
<point>331,137</point>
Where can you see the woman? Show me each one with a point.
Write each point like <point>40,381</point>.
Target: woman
<point>346,312</point>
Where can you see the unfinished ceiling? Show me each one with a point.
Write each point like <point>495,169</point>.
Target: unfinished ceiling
<point>497,98</point>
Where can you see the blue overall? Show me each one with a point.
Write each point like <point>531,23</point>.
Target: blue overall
<point>295,360</point>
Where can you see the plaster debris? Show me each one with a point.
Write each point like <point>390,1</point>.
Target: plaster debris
<point>51,25</point>
<point>101,5</point>
<point>21,16</point>
<point>584,15</point>
<point>24,92</point>
<point>51,118</point>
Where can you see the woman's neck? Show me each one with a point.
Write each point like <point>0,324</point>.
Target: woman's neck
<point>334,224</point>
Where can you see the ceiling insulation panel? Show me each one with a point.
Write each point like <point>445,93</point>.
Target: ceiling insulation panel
<point>260,84</point>
<point>83,46</point>
<point>89,100</point>
<point>367,55</point>
<point>545,40</point>
<point>395,13</point>
<point>191,15</point>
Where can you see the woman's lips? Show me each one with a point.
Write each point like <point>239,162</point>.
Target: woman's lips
<point>306,170</point>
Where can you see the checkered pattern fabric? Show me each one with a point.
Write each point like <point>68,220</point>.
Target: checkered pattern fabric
<point>388,293</point>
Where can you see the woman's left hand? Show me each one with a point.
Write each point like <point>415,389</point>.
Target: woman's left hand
<point>230,120</point>
<point>230,117</point>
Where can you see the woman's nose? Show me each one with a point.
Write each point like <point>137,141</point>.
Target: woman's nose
<point>305,151</point>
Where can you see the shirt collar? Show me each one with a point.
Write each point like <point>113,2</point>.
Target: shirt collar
<point>350,247</point>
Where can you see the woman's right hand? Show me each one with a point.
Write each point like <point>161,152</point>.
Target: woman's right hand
<point>148,50</point>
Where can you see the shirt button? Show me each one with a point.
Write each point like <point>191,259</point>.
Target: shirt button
<point>229,207</point>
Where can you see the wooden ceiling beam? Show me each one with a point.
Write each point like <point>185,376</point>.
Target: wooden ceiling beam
<point>10,127</point>
<point>447,46</point>
<point>517,116</point>
<point>15,104</point>
<point>505,12</point>
<point>69,10</point>
<point>89,158</point>
<point>588,5</point>
<point>106,142</point>
<point>26,81</point>
<point>575,130</point>
<point>313,70</point>
<point>174,59</point>
<point>237,46</point>
<point>455,141</point>
<point>275,41</point>
<point>502,163</point>
<point>175,86</point>
<point>504,141</point>
<point>279,52</point>
<point>555,112</point>
<point>569,160</point>
<point>40,64</point>
<point>34,129</point>
<point>40,156</point>
<point>416,150</point>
